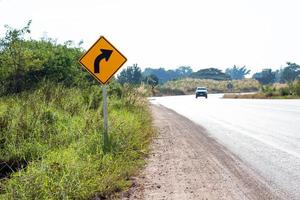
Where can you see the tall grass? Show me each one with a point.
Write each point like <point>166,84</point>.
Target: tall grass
<point>276,91</point>
<point>188,86</point>
<point>54,134</point>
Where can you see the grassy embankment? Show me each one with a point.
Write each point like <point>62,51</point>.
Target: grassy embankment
<point>188,86</point>
<point>275,91</point>
<point>51,142</point>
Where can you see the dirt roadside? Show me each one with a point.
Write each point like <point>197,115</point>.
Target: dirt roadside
<point>186,163</point>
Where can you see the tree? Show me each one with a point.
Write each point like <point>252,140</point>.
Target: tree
<point>210,73</point>
<point>131,75</point>
<point>183,71</point>
<point>290,73</point>
<point>278,75</point>
<point>24,63</point>
<point>151,80</point>
<point>267,76</point>
<point>160,73</point>
<point>14,56</point>
<point>237,73</point>
<point>167,75</point>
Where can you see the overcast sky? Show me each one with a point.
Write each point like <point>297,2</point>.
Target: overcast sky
<point>171,33</point>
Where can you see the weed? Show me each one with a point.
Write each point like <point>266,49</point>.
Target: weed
<point>188,86</point>
<point>57,132</point>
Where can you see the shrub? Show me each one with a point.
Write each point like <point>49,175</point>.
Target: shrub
<point>297,87</point>
<point>188,86</point>
<point>55,133</point>
<point>284,91</point>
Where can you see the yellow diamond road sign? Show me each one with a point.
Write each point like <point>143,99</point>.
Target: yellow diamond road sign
<point>102,60</point>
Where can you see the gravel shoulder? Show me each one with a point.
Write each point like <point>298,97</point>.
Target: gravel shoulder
<point>185,163</point>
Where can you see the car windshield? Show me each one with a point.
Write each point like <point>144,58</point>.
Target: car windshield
<point>201,88</point>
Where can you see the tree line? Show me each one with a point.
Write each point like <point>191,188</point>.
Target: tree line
<point>285,75</point>
<point>25,62</point>
<point>134,74</point>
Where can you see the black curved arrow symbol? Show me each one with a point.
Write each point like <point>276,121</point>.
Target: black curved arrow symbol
<point>104,55</point>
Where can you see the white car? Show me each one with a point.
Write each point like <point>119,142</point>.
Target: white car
<point>201,92</point>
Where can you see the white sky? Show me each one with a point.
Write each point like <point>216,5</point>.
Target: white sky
<point>171,33</point>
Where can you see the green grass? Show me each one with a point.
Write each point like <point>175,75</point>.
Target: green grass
<point>55,135</point>
<point>275,91</point>
<point>188,86</point>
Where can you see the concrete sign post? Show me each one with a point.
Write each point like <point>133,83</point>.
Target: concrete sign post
<point>102,61</point>
<point>105,118</point>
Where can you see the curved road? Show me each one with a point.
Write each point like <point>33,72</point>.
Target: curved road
<point>265,134</point>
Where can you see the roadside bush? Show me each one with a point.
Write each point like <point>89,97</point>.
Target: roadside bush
<point>188,86</point>
<point>284,91</point>
<point>55,133</point>
<point>297,87</point>
<point>25,63</point>
<point>277,91</point>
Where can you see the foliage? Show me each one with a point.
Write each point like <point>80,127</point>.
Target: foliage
<point>237,73</point>
<point>188,86</point>
<point>267,76</point>
<point>296,87</point>
<point>167,75</point>
<point>284,91</point>
<point>210,73</point>
<point>278,75</point>
<point>55,133</point>
<point>25,63</point>
<point>51,123</point>
<point>130,75</point>
<point>245,96</point>
<point>184,71</point>
<point>269,91</point>
<point>290,73</point>
<point>275,91</point>
<point>291,89</point>
<point>284,75</point>
<point>151,80</point>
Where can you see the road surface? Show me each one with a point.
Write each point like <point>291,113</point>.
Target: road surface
<point>264,134</point>
<point>185,163</point>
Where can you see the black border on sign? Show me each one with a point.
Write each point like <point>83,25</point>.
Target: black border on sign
<point>103,83</point>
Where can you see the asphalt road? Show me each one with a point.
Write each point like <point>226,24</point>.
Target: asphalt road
<point>264,134</point>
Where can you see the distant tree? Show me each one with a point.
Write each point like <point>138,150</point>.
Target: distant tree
<point>151,80</point>
<point>290,73</point>
<point>160,73</point>
<point>237,73</point>
<point>167,75</point>
<point>183,71</point>
<point>266,76</point>
<point>278,74</point>
<point>210,73</point>
<point>131,75</point>
<point>136,75</point>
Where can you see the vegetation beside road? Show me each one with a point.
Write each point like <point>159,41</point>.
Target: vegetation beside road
<point>183,80</point>
<point>51,118</point>
<point>188,86</point>
<point>55,134</point>
<point>275,91</point>
<point>51,124</point>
